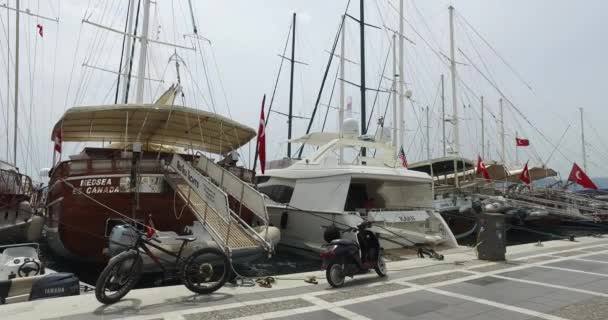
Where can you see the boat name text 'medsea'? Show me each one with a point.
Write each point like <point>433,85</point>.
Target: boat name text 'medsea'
<point>95,186</point>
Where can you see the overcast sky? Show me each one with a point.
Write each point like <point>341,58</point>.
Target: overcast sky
<point>554,50</point>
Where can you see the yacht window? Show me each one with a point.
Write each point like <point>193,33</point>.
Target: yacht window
<point>278,193</point>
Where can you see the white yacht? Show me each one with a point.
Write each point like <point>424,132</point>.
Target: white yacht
<point>324,189</point>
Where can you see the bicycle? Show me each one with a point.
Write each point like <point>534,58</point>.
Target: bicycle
<point>197,272</point>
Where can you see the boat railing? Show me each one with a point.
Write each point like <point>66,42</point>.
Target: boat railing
<point>105,166</point>
<point>15,183</point>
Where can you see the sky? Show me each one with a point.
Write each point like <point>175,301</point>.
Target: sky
<point>545,58</point>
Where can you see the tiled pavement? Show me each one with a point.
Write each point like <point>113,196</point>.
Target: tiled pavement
<point>565,282</point>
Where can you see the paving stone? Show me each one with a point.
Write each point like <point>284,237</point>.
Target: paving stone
<point>419,305</point>
<point>557,277</point>
<point>582,265</point>
<point>569,253</point>
<point>441,277</point>
<point>599,257</point>
<point>345,294</point>
<point>248,310</point>
<point>538,259</point>
<point>316,315</point>
<point>485,281</point>
<point>498,266</point>
<point>591,309</point>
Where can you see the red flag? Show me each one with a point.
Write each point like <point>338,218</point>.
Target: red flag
<point>403,158</point>
<point>578,176</point>
<point>262,138</point>
<point>39,26</point>
<point>150,230</point>
<point>525,175</point>
<point>58,141</point>
<point>481,168</point>
<point>522,142</point>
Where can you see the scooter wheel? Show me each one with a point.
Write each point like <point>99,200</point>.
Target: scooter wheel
<point>335,275</point>
<point>380,267</point>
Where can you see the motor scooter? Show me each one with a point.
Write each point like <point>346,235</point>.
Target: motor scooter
<point>343,257</point>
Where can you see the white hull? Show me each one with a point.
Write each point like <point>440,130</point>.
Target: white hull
<point>303,231</point>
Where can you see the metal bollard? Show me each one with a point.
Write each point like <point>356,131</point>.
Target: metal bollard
<point>491,237</point>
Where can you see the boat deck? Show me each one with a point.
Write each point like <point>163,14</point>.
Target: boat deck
<point>559,280</point>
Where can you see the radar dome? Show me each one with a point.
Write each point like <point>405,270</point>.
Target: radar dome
<point>350,128</point>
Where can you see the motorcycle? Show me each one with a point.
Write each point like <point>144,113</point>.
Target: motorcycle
<point>343,257</point>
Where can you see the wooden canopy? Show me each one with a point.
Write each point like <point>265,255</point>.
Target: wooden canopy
<point>165,125</point>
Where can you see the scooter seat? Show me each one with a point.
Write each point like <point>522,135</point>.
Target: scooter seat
<point>344,242</point>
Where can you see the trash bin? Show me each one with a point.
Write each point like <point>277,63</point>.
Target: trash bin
<point>491,237</point>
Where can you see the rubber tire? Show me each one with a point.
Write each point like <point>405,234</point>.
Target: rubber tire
<point>131,282</point>
<point>329,278</point>
<point>191,259</point>
<point>379,271</point>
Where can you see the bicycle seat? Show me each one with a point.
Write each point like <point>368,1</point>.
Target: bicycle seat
<point>186,238</point>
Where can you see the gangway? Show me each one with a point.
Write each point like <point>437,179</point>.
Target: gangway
<point>240,190</point>
<point>209,203</point>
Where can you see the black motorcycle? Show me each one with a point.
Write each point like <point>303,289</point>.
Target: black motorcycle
<point>344,257</point>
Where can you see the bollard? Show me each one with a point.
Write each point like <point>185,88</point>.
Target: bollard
<point>491,237</point>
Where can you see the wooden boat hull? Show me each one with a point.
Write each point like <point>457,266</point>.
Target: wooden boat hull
<point>78,224</point>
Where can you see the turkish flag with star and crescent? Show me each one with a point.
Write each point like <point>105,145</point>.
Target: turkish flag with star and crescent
<point>525,175</point>
<point>262,138</point>
<point>578,176</point>
<point>481,168</point>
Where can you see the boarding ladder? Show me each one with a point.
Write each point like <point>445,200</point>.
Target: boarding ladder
<point>240,190</point>
<point>209,203</point>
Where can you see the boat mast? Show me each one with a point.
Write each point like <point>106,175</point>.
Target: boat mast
<point>128,55</point>
<point>293,61</point>
<point>583,142</point>
<point>143,52</point>
<point>502,132</point>
<point>362,45</point>
<point>401,92</point>
<point>8,84</point>
<point>456,142</point>
<point>342,76</point>
<point>395,84</point>
<point>443,113</point>
<point>428,135</point>
<point>342,52</point>
<point>16,82</point>
<point>483,131</point>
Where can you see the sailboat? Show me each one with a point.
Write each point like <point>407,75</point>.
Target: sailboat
<point>18,219</point>
<point>154,174</point>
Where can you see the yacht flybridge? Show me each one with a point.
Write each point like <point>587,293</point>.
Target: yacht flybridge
<point>336,186</point>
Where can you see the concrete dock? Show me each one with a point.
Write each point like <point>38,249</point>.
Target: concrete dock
<point>558,280</point>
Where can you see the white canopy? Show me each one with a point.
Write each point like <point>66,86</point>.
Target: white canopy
<point>165,125</point>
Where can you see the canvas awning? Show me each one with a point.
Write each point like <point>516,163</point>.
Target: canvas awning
<point>164,125</point>
<point>536,173</point>
<point>443,166</point>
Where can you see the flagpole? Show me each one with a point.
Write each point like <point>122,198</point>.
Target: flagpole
<point>482,130</point>
<point>583,142</point>
<point>516,150</point>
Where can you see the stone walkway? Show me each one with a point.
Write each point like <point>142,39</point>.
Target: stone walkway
<point>561,280</point>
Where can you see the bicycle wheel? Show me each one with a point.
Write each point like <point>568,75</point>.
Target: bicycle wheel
<point>118,278</point>
<point>205,271</point>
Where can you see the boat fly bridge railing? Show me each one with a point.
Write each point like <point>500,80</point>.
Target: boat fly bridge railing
<point>209,204</point>
<point>14,183</point>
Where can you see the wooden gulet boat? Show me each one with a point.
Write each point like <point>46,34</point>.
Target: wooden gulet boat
<point>93,191</point>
